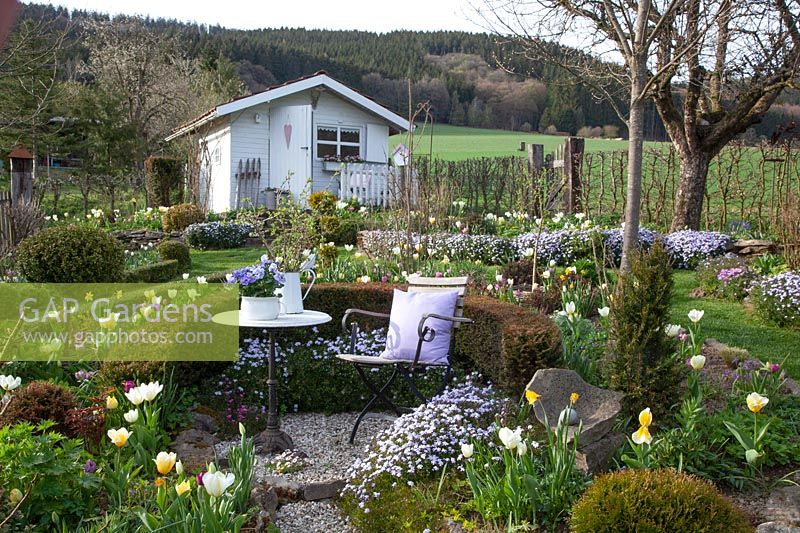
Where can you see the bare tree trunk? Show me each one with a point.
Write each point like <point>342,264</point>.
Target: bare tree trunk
<point>630,235</point>
<point>691,189</point>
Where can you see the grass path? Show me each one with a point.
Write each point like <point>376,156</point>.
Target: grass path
<point>735,325</point>
<point>728,322</point>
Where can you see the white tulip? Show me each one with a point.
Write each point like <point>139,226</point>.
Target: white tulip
<point>552,262</point>
<point>151,390</point>
<point>348,247</point>
<point>528,252</point>
<point>509,438</point>
<point>698,362</point>
<point>467,450</point>
<point>672,330</point>
<point>546,274</point>
<point>570,308</point>
<point>135,396</point>
<point>185,275</point>
<point>201,280</point>
<point>216,483</point>
<point>522,448</point>
<point>9,383</point>
<point>603,311</point>
<point>131,416</point>
<point>695,315</point>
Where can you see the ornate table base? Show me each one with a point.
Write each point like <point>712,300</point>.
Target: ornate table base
<point>273,440</point>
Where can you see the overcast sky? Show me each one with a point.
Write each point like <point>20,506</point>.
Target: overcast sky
<point>372,15</point>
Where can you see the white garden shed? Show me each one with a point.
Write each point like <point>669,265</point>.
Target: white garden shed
<point>285,136</point>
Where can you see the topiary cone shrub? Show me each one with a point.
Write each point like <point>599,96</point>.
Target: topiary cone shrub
<point>38,401</point>
<point>641,361</point>
<point>655,501</point>
<point>71,254</point>
<point>163,180</point>
<point>506,343</point>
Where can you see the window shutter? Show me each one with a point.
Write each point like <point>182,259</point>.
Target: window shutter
<point>377,143</point>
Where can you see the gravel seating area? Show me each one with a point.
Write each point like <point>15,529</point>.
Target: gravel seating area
<point>323,438</point>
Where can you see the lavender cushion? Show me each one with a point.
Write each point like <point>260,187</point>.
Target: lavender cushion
<point>407,311</point>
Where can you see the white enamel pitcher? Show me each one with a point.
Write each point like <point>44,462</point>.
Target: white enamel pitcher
<point>292,296</point>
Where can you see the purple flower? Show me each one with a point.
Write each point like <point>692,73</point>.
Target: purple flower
<point>199,478</point>
<point>90,467</point>
<point>84,375</point>
<point>129,384</point>
<point>774,367</point>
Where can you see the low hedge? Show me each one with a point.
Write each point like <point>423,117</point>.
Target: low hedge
<point>506,343</point>
<point>154,273</point>
<point>175,250</point>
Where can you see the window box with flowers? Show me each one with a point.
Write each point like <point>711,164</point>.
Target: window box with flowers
<point>338,144</point>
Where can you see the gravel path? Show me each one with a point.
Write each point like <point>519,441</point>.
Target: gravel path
<point>323,438</point>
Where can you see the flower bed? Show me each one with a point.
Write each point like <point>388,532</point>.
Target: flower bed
<point>564,246</point>
<point>217,235</point>
<point>777,298</point>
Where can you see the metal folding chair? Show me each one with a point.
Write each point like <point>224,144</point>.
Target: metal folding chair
<point>405,369</point>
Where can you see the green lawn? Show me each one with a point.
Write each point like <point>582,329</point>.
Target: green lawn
<point>456,142</point>
<point>732,324</point>
<point>208,262</point>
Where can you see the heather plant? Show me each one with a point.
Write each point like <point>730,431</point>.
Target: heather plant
<point>777,299</point>
<point>641,358</point>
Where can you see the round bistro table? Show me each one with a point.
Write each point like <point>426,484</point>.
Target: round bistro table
<point>273,439</point>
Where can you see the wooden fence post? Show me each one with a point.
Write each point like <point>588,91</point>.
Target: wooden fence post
<point>573,159</point>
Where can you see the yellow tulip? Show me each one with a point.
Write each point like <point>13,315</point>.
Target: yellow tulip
<point>119,436</point>
<point>111,402</point>
<point>531,396</point>
<point>573,398</point>
<point>642,435</point>
<point>165,461</point>
<point>182,488</point>
<point>756,402</point>
<point>645,418</point>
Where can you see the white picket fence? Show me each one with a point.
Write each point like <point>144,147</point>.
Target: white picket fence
<point>370,183</point>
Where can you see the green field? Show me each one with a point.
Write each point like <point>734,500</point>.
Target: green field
<point>456,142</point>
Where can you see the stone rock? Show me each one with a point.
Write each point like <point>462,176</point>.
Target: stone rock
<point>195,448</point>
<point>322,490</point>
<point>285,490</point>
<point>595,457</point>
<point>597,408</point>
<point>451,526</point>
<point>204,422</point>
<point>776,527</point>
<point>783,505</point>
<point>263,496</point>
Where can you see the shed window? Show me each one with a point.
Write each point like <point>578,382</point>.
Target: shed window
<point>338,143</point>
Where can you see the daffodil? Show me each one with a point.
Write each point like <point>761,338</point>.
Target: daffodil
<point>645,417</point>
<point>756,402</point>
<point>119,436</point>
<point>573,398</point>
<point>642,435</point>
<point>165,461</point>
<point>531,396</point>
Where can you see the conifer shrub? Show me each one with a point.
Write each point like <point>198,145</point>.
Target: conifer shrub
<point>655,501</point>
<point>39,401</point>
<point>71,254</point>
<point>323,202</point>
<point>641,358</point>
<point>181,216</point>
<point>163,180</point>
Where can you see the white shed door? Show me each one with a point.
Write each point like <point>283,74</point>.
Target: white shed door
<point>377,143</point>
<point>290,148</point>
